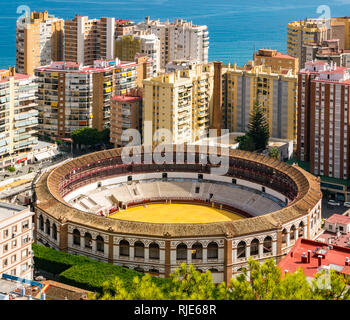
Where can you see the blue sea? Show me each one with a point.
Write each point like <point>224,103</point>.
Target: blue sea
<point>236,27</point>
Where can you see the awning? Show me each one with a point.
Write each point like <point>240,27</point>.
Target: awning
<point>54,152</point>
<point>42,156</point>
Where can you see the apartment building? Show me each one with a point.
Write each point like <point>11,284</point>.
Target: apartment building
<point>181,102</point>
<point>16,238</point>
<point>308,33</point>
<point>126,113</point>
<point>87,40</point>
<point>277,61</point>
<point>178,40</point>
<point>72,96</point>
<point>323,135</point>
<point>18,117</point>
<point>243,87</point>
<point>123,27</point>
<point>127,47</point>
<point>39,40</point>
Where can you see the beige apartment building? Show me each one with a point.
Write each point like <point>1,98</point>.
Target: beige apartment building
<point>39,40</point>
<point>277,61</point>
<point>243,87</point>
<point>127,47</point>
<point>18,117</point>
<point>180,101</point>
<point>87,40</point>
<point>72,96</point>
<point>303,34</point>
<point>16,238</point>
<point>178,40</point>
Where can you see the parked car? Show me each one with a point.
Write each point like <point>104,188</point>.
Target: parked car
<point>346,204</point>
<point>333,203</point>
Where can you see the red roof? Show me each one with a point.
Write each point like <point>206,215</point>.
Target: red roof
<point>338,218</point>
<point>332,255</point>
<point>126,98</point>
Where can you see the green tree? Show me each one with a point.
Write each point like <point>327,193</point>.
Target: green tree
<point>86,136</point>
<point>274,153</point>
<point>246,143</point>
<point>258,127</point>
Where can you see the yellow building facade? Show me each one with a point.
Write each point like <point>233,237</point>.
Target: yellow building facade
<point>181,102</point>
<point>277,93</point>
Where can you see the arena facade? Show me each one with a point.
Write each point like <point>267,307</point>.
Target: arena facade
<point>261,207</point>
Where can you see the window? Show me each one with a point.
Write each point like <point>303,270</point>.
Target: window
<point>25,225</point>
<point>24,253</point>
<point>197,250</point>
<point>6,233</point>
<point>13,272</point>
<point>154,251</point>
<point>6,247</point>
<point>24,267</point>
<point>181,252</point>
<point>124,248</point>
<point>99,244</point>
<point>25,239</point>
<point>213,250</point>
<point>241,250</point>
<point>139,248</point>
<point>13,258</point>
<point>14,244</point>
<point>76,237</point>
<point>4,263</point>
<point>14,229</point>
<point>254,247</point>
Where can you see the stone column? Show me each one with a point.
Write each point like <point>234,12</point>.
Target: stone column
<point>227,261</point>
<point>261,249</point>
<point>167,258</point>
<point>146,254</point>
<point>205,254</point>
<point>189,255</point>
<point>110,249</point>
<point>132,253</point>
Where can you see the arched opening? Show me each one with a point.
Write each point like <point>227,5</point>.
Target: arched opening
<point>213,250</point>
<point>181,252</point>
<point>88,240</point>
<point>254,247</point>
<point>100,244</point>
<point>154,271</point>
<point>241,250</point>
<point>76,237</point>
<point>154,251</point>
<point>139,248</point>
<point>292,232</point>
<point>139,269</point>
<point>41,223</point>
<point>267,245</point>
<point>54,231</point>
<point>197,251</point>
<point>301,229</point>
<point>47,227</point>
<point>284,237</point>
<point>124,248</point>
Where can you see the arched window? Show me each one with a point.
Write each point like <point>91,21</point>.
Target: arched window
<point>54,231</point>
<point>292,233</point>
<point>301,229</point>
<point>47,227</point>
<point>139,248</point>
<point>154,251</point>
<point>254,247</point>
<point>41,223</point>
<point>100,244</point>
<point>284,237</point>
<point>197,251</point>
<point>213,270</point>
<point>267,244</point>
<point>154,271</point>
<point>124,248</point>
<point>181,252</point>
<point>213,250</point>
<point>241,250</point>
<point>88,240</point>
<point>76,237</point>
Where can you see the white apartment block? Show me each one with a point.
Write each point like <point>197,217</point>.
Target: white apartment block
<point>18,116</point>
<point>179,39</point>
<point>16,238</point>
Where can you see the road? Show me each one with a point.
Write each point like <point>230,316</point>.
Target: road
<point>328,210</point>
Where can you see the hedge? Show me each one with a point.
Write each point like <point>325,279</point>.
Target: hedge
<point>54,261</point>
<point>82,272</point>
